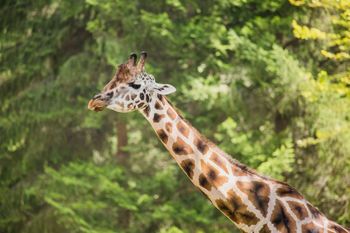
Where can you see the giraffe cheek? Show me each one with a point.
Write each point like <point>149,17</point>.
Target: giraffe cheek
<point>118,107</point>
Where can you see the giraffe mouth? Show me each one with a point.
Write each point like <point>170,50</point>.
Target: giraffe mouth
<point>97,105</point>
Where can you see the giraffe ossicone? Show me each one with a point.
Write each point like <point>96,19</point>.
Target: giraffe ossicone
<point>254,203</point>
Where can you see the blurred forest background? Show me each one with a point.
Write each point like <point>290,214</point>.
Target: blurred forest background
<point>267,80</point>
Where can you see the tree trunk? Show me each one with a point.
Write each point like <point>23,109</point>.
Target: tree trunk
<point>122,135</point>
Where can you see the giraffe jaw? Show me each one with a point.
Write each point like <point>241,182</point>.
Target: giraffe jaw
<point>118,108</point>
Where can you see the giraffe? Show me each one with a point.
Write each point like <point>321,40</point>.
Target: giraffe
<point>253,202</point>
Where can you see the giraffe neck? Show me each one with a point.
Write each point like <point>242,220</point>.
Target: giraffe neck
<point>253,202</point>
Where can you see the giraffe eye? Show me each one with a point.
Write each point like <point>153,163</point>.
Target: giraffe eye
<point>135,86</point>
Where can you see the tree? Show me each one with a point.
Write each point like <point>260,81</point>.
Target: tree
<point>242,78</point>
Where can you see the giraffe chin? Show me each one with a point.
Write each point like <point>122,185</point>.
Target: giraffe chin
<point>118,108</point>
<point>96,105</point>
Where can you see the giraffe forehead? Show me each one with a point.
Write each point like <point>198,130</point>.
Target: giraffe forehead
<point>145,76</point>
<point>119,82</point>
<point>145,79</point>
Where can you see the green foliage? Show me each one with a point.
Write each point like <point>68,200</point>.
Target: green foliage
<point>327,98</point>
<point>90,197</point>
<point>266,80</point>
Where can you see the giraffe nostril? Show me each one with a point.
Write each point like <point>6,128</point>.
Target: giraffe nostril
<point>110,94</point>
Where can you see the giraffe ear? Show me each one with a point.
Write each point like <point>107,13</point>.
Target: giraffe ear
<point>164,89</point>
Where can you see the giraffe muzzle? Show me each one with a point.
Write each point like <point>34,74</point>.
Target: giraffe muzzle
<point>97,103</point>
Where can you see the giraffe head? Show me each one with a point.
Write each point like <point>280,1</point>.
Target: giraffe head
<point>130,89</point>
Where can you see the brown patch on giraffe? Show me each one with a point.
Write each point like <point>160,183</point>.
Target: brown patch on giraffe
<point>218,161</point>
<point>130,105</point>
<point>142,96</point>
<point>171,113</point>
<point>140,105</point>
<point>298,209</point>
<point>334,227</point>
<point>287,191</point>
<point>113,85</point>
<point>201,145</point>
<point>237,211</point>
<point>127,97</point>
<point>188,166</point>
<point>281,219</point>
<point>146,110</point>
<point>133,96</point>
<point>158,106</point>
<point>225,208</point>
<point>311,228</point>
<point>161,98</point>
<point>168,127</point>
<point>265,229</point>
<point>213,175</point>
<point>181,126</point>
<point>258,193</point>
<point>240,170</point>
<point>181,148</point>
<point>316,214</point>
<point>158,117</point>
<point>162,135</point>
<point>203,182</point>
